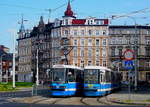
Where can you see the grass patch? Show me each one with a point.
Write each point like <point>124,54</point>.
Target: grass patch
<point>148,100</point>
<point>8,86</point>
<point>128,101</point>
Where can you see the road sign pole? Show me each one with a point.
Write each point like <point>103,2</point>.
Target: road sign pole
<point>129,86</point>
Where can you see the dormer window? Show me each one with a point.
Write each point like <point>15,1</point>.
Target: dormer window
<point>66,21</point>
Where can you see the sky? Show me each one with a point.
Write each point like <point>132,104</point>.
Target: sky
<point>11,12</point>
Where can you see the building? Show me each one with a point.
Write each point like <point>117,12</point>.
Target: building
<point>41,47</point>
<point>24,55</point>
<point>80,42</point>
<point>122,38</point>
<point>5,64</point>
<point>33,43</point>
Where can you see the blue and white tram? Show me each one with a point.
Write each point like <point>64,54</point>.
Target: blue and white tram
<point>99,81</point>
<point>66,80</point>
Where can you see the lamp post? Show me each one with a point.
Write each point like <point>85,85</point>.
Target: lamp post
<point>12,31</point>
<point>37,67</point>
<point>14,40</point>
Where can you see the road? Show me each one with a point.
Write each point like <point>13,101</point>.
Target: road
<point>43,105</point>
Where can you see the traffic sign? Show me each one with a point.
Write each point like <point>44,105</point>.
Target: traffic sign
<point>128,64</point>
<point>129,54</point>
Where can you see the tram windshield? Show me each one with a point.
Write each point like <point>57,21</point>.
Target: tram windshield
<point>59,75</point>
<point>91,76</point>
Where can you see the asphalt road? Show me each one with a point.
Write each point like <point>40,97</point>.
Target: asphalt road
<point>15,94</point>
<point>39,105</point>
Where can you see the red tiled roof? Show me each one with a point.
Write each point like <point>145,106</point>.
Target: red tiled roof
<point>78,21</point>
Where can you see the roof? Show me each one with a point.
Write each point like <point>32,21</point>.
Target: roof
<point>67,66</point>
<point>97,67</point>
<point>69,12</point>
<point>128,26</point>
<point>78,21</point>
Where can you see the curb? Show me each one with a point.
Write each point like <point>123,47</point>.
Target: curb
<point>119,102</point>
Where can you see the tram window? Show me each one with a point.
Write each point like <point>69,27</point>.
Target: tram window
<point>108,76</point>
<point>71,75</point>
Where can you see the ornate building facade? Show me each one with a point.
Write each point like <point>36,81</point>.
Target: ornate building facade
<point>80,42</point>
<point>122,38</point>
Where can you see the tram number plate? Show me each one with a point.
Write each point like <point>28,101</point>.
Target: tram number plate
<point>90,85</point>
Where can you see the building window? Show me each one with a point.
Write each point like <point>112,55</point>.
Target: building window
<point>89,52</point>
<point>104,63</point>
<point>147,51</point>
<point>113,51</point>
<point>97,33</point>
<point>147,40</point>
<point>66,22</point>
<point>82,32</point>
<point>97,63</point>
<point>75,32</point>
<point>97,42</point>
<point>89,63</point>
<point>75,51</point>
<point>75,61</point>
<point>119,40</point>
<point>82,64</point>
<point>82,52</point>
<point>82,42</point>
<point>104,42</point>
<point>89,42</point>
<point>147,64</point>
<point>75,42</point>
<point>66,32</point>
<point>128,40</point>
<point>120,52</point>
<point>104,32</point>
<point>104,52</point>
<point>90,32</point>
<point>97,53</point>
<point>113,40</point>
<point>147,76</point>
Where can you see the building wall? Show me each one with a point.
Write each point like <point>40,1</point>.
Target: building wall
<point>74,42</point>
<point>25,55</point>
<point>123,37</point>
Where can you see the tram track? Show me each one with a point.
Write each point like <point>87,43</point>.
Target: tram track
<point>102,102</point>
<point>83,102</point>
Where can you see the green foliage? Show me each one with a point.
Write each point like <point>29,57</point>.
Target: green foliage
<point>8,86</point>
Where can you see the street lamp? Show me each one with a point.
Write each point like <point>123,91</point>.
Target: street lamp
<point>37,67</point>
<point>14,40</point>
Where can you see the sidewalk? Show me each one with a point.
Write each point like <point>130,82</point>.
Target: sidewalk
<point>141,97</point>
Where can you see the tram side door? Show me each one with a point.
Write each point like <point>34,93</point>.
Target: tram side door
<point>101,79</point>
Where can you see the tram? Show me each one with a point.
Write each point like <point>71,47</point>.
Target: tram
<point>99,81</point>
<point>67,80</point>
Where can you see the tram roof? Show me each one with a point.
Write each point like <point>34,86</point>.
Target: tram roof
<point>67,66</point>
<point>97,67</point>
